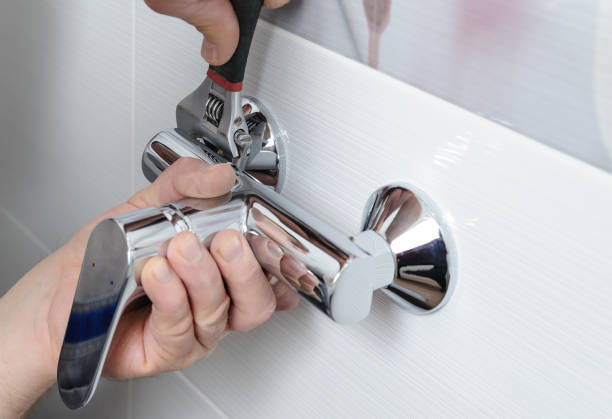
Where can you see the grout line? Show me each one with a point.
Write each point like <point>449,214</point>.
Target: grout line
<point>133,105</point>
<point>25,230</point>
<point>203,396</point>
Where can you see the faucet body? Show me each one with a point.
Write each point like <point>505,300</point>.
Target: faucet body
<point>341,273</point>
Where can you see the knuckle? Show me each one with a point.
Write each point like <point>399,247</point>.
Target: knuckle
<point>207,321</point>
<point>248,321</point>
<point>250,272</point>
<point>204,353</point>
<point>173,329</point>
<point>210,328</point>
<point>269,309</point>
<point>205,318</point>
<point>241,326</point>
<point>266,311</point>
<point>225,305</point>
<point>211,335</point>
<point>245,279</point>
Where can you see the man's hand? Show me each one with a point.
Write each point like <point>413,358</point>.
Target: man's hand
<point>215,19</point>
<point>198,295</point>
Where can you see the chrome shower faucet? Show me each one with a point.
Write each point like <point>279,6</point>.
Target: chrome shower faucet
<point>403,249</point>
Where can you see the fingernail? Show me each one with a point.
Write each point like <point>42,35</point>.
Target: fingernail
<point>212,168</point>
<point>210,51</point>
<point>162,271</point>
<point>190,249</point>
<point>273,280</point>
<point>231,249</point>
<point>274,250</point>
<point>280,290</point>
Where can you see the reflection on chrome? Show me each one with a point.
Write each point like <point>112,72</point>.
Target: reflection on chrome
<point>423,248</point>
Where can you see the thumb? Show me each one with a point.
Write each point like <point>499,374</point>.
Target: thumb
<point>215,19</point>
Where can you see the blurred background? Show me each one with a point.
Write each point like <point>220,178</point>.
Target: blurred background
<point>540,67</point>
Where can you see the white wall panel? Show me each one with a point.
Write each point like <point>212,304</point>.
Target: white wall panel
<point>65,111</point>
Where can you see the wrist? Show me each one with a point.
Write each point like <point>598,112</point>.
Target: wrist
<point>33,316</point>
<point>19,391</point>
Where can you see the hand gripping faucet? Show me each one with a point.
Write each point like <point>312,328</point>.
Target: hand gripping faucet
<point>404,248</point>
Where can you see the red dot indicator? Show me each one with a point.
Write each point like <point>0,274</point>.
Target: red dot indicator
<point>93,265</point>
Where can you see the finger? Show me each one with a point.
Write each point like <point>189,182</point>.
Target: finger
<point>207,297</point>
<point>187,177</point>
<point>168,333</point>
<point>274,4</point>
<point>286,298</point>
<point>252,298</point>
<point>215,19</point>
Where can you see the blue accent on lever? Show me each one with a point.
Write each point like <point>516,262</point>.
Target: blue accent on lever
<point>89,325</point>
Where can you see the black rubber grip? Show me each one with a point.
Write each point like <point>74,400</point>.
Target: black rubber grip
<point>247,12</point>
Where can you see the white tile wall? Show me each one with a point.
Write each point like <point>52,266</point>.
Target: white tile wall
<point>171,395</point>
<point>65,113</point>
<point>19,250</point>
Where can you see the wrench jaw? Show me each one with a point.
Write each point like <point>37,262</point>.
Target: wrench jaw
<point>216,114</point>
<point>240,128</point>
